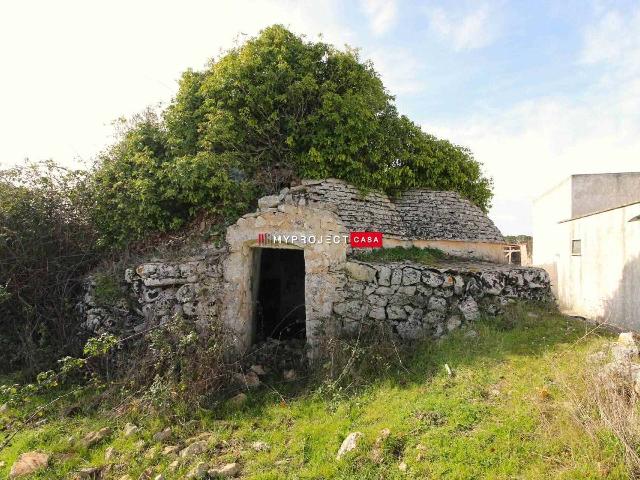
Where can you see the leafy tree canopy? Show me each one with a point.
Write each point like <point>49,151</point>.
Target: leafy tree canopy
<point>273,110</point>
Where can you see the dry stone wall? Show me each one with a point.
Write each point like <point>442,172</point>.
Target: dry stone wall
<point>419,301</point>
<point>414,300</point>
<point>156,291</point>
<point>218,285</point>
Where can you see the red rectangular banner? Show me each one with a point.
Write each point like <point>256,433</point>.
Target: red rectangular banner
<point>365,239</point>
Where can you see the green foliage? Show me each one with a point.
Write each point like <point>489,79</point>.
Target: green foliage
<point>266,113</point>
<point>507,411</point>
<point>98,346</point>
<point>107,289</point>
<point>425,256</point>
<point>47,242</point>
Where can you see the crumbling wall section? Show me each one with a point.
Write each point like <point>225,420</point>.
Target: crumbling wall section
<point>158,290</point>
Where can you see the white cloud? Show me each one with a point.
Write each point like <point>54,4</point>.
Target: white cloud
<point>613,38</point>
<point>382,14</point>
<point>535,144</point>
<point>465,30</point>
<point>613,44</point>
<point>399,69</point>
<point>75,66</point>
<point>532,145</point>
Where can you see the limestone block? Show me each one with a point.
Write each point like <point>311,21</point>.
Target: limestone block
<point>434,317</point>
<point>351,309</point>
<point>129,275</point>
<point>453,322</point>
<point>396,276</point>
<point>378,300</point>
<point>469,309</point>
<point>189,309</point>
<point>166,270</point>
<point>384,275</point>
<point>163,282</point>
<point>410,276</point>
<point>395,312</point>
<point>385,291</point>
<point>626,338</point>
<point>186,293</point>
<point>437,304</point>
<point>493,283</point>
<point>147,270</point>
<point>432,279</point>
<point>411,330</point>
<point>516,278</point>
<point>360,272</point>
<point>473,287</point>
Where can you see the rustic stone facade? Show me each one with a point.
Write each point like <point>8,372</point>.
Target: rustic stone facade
<point>219,284</point>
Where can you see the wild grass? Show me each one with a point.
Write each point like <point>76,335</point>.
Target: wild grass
<point>506,410</point>
<point>425,256</point>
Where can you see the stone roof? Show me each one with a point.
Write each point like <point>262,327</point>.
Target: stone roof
<point>416,215</point>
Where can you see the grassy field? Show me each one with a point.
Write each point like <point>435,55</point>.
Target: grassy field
<point>505,411</point>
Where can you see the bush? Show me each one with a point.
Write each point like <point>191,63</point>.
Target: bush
<point>265,114</point>
<point>46,245</point>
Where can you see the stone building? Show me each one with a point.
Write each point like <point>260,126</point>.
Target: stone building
<point>286,270</point>
<point>587,236</point>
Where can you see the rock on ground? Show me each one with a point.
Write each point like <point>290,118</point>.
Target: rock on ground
<point>259,446</point>
<point>90,472</point>
<point>238,400</point>
<point>28,463</point>
<point>109,453</point>
<point>195,448</point>
<point>162,435</point>
<point>170,450</point>
<point>198,472</point>
<point>226,471</point>
<point>289,375</point>
<point>130,429</point>
<point>92,438</point>
<point>348,444</point>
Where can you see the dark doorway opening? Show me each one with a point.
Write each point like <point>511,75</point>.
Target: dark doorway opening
<point>280,309</point>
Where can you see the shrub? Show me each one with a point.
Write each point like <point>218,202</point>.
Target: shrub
<point>265,114</point>
<point>46,245</point>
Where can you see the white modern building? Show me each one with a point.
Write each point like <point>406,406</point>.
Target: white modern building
<point>587,236</point>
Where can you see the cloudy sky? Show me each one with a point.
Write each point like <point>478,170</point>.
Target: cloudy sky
<point>537,90</point>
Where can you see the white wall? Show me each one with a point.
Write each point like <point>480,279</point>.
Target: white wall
<point>548,210</point>
<point>603,283</point>
<point>597,192</point>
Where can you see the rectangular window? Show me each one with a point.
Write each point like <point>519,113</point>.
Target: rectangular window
<point>576,247</point>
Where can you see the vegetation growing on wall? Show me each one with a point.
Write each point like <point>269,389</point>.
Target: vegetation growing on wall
<point>425,256</point>
<point>271,111</point>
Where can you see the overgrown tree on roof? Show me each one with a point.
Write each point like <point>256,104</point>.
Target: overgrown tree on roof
<point>273,110</point>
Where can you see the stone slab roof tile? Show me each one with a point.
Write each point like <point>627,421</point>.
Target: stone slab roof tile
<point>416,215</point>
